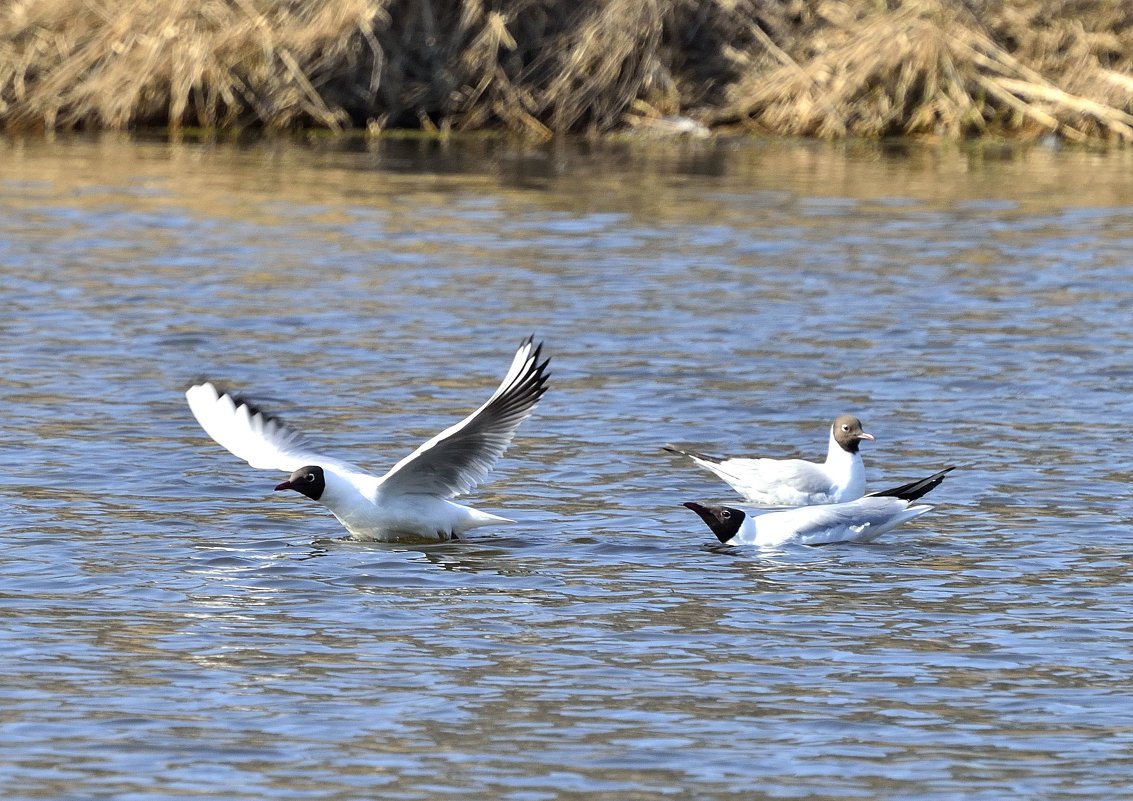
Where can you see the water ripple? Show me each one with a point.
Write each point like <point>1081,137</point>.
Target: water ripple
<point>176,629</point>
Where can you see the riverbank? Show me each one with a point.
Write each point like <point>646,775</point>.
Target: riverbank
<point>826,68</point>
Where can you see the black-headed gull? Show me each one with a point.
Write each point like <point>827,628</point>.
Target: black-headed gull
<point>796,482</point>
<point>411,501</point>
<point>862,520</point>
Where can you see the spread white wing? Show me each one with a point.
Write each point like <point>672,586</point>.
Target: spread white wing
<point>458,458</point>
<point>261,440</point>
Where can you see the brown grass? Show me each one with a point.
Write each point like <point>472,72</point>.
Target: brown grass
<point>113,63</point>
<point>826,68</point>
<point>935,67</point>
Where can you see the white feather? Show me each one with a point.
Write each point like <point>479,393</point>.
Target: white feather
<point>264,442</point>
<point>792,482</point>
<point>863,520</point>
<point>411,500</point>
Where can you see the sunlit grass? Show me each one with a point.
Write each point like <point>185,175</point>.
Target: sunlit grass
<point>829,68</point>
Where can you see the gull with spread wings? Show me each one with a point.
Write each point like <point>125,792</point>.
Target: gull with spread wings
<point>412,500</point>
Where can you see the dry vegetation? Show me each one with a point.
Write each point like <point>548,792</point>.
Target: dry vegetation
<point>805,67</point>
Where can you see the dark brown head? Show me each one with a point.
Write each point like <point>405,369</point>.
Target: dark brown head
<point>848,433</point>
<point>308,481</point>
<point>725,521</point>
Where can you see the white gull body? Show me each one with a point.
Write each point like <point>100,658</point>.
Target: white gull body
<point>411,501</point>
<point>861,520</point>
<point>797,482</point>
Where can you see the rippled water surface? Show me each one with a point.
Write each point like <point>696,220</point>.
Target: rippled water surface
<point>174,629</point>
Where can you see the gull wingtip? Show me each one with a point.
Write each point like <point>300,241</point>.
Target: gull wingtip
<point>202,391</point>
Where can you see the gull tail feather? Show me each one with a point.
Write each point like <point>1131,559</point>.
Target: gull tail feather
<point>916,489</point>
<point>694,455</point>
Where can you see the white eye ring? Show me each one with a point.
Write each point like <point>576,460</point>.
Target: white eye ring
<point>310,478</point>
<point>726,515</point>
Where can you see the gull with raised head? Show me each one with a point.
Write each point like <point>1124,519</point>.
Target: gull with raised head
<point>796,482</point>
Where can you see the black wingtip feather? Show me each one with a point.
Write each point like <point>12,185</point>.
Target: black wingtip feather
<point>693,454</point>
<point>239,400</point>
<point>528,388</point>
<point>916,489</point>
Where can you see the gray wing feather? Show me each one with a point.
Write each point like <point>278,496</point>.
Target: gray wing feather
<point>871,511</point>
<point>754,478</point>
<point>458,458</point>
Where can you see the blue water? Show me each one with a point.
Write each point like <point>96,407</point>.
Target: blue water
<point>174,629</point>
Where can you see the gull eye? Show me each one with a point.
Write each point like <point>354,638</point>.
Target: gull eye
<point>726,515</point>
<point>310,479</point>
<point>845,427</point>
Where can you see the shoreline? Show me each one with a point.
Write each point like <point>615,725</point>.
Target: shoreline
<point>827,69</point>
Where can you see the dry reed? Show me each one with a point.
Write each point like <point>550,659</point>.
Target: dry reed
<point>538,67</point>
<point>938,67</point>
